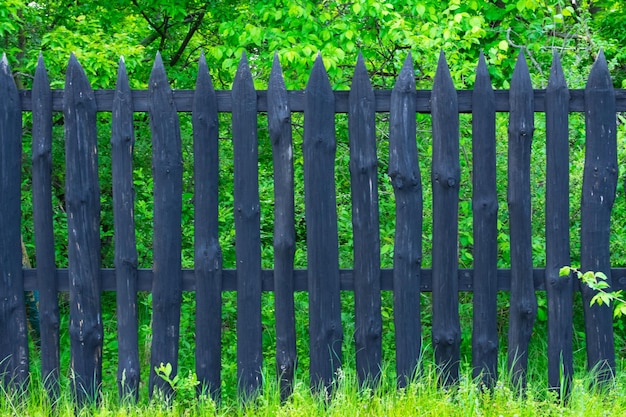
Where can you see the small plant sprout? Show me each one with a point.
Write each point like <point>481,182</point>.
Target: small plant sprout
<point>597,282</point>
<point>184,388</point>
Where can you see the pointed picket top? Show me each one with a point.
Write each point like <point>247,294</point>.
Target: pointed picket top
<point>405,83</point>
<point>41,74</point>
<point>243,75</point>
<point>122,90</point>
<point>599,77</point>
<point>443,93</point>
<point>277,80</point>
<point>121,69</point>
<point>319,83</point>
<point>277,101</point>
<point>205,92</point>
<point>443,79</point>
<point>122,107</point>
<point>556,81</point>
<point>7,82</point>
<point>77,86</point>
<point>203,80</point>
<point>361,84</point>
<point>158,81</point>
<point>483,79</point>
<point>8,91</point>
<point>42,100</point>
<point>10,96</point>
<point>75,71</point>
<point>521,75</point>
<point>4,64</point>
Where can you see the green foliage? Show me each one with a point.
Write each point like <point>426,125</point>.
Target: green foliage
<point>184,387</point>
<point>422,397</point>
<point>597,282</point>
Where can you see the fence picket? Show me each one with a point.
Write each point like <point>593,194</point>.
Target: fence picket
<point>208,253</point>
<point>247,231</point>
<point>559,289</point>
<point>82,197</point>
<point>167,171</point>
<point>485,211</point>
<point>407,185</point>
<point>365,224</point>
<point>122,143</point>
<point>14,359</point>
<point>446,175</point>
<point>44,230</point>
<point>523,305</point>
<point>279,123</point>
<point>598,194</point>
<point>326,334</point>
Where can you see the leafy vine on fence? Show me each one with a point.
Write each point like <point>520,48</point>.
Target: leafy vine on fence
<point>597,281</point>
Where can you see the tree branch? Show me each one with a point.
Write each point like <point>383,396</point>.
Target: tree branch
<point>192,30</point>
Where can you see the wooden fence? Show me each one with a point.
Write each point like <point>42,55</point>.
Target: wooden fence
<point>323,279</point>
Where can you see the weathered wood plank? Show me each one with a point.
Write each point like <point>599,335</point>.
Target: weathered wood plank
<point>208,253</point>
<point>485,212</point>
<point>279,123</point>
<point>407,184</point>
<point>523,305</point>
<point>365,225</point>
<point>183,100</point>
<point>167,170</point>
<point>14,360</point>
<point>248,232</point>
<point>346,277</point>
<point>44,230</point>
<point>598,195</point>
<point>82,197</point>
<point>559,289</point>
<point>326,334</point>
<point>122,143</point>
<point>445,178</point>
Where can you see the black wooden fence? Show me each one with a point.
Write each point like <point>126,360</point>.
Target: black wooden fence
<point>85,279</point>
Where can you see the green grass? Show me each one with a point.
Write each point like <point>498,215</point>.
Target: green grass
<point>421,398</point>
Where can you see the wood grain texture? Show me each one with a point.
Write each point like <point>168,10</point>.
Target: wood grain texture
<point>559,289</point>
<point>167,170</point>
<point>208,253</point>
<point>485,222</point>
<point>407,185</point>
<point>82,198</point>
<point>598,195</point>
<point>523,306</point>
<point>325,331</point>
<point>300,279</point>
<point>122,143</point>
<point>247,233</point>
<point>365,226</point>
<point>14,358</point>
<point>280,131</point>
<point>44,230</point>
<point>183,99</point>
<point>445,179</point>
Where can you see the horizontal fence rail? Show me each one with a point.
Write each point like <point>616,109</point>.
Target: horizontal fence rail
<point>347,280</point>
<point>183,100</point>
<point>85,279</point>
